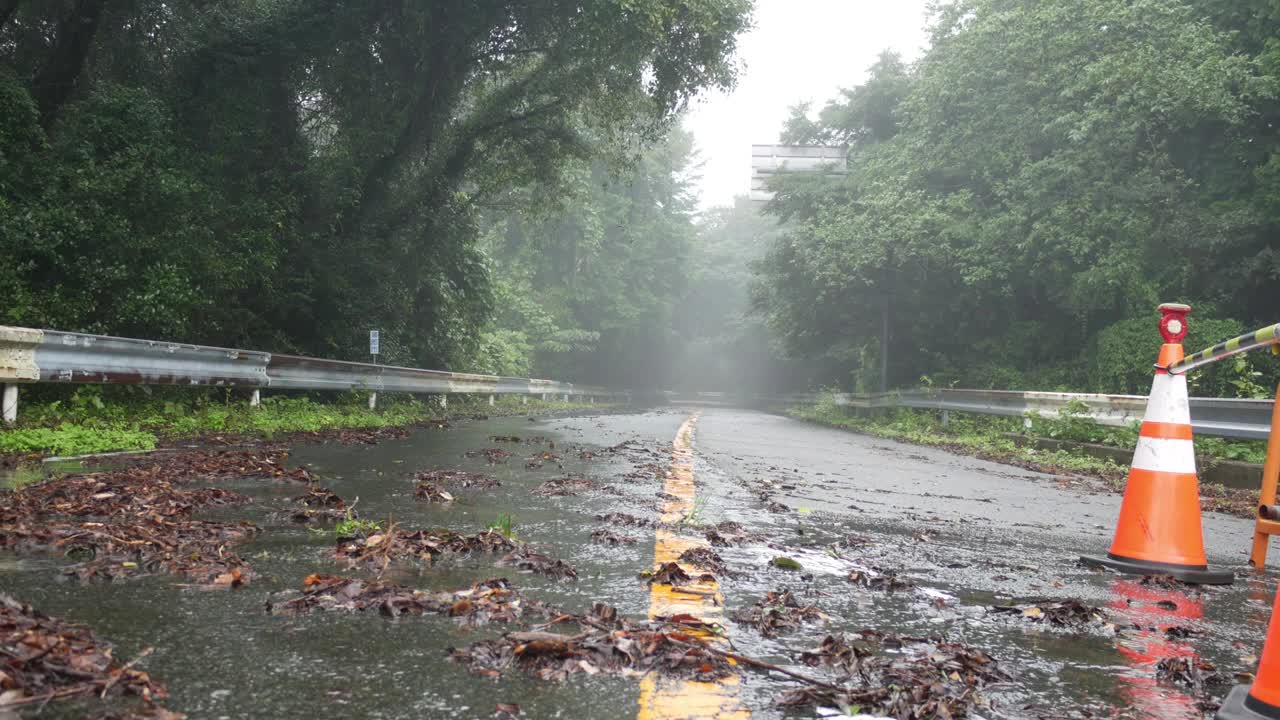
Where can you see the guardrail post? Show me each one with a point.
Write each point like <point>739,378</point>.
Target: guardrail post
<point>946,418</point>
<point>444,402</point>
<point>373,400</point>
<point>566,397</point>
<point>524,399</point>
<point>544,397</point>
<point>490,401</point>
<point>10,404</point>
<point>256,398</point>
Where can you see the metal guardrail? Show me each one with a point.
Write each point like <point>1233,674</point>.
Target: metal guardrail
<point>1231,418</point>
<point>32,356</point>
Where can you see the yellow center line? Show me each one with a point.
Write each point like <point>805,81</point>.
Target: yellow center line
<point>666,698</point>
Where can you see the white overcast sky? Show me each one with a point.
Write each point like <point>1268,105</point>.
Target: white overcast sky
<point>799,50</point>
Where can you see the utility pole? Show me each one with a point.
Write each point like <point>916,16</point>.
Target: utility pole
<point>886,292</point>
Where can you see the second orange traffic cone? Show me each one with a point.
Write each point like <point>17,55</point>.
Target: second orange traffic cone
<point>1262,700</point>
<point>1158,532</point>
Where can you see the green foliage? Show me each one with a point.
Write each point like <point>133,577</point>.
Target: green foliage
<point>985,436</point>
<point>353,527</point>
<point>287,174</point>
<point>589,286</point>
<point>1020,199</point>
<point>74,439</point>
<point>992,436</point>
<point>87,421</point>
<point>1074,424</point>
<point>1120,344</point>
<point>21,476</point>
<point>504,526</point>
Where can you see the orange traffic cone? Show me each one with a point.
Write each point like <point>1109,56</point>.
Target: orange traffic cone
<point>1159,527</point>
<point>1262,700</point>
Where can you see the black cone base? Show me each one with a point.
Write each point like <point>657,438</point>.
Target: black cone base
<point>1185,573</point>
<point>1239,706</point>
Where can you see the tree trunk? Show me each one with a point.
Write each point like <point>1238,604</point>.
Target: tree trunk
<point>58,77</point>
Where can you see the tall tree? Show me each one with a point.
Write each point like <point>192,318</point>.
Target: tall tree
<point>288,173</point>
<point>1045,170</point>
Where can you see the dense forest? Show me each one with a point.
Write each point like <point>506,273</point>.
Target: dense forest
<point>288,174</point>
<point>1022,197</point>
<point>502,186</point>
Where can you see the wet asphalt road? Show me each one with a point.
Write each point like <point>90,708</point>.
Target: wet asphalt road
<point>966,532</point>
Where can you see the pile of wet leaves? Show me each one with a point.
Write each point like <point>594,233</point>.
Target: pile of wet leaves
<point>1165,582</point>
<point>606,644</point>
<point>729,534</point>
<point>705,558</point>
<point>319,504</point>
<point>48,659</point>
<point>381,548</point>
<point>457,478</point>
<point>535,440</point>
<point>1193,673</point>
<point>431,493</point>
<point>362,436</point>
<point>778,612</point>
<point>624,520</point>
<point>608,537</point>
<point>565,486</point>
<point>493,600</point>
<point>1070,614</point>
<point>137,520</point>
<point>492,455</point>
<point>674,575</point>
<point>537,460</point>
<point>526,560</point>
<point>877,579</point>
<point>902,677</point>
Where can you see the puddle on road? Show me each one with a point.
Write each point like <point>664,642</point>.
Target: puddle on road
<point>222,655</point>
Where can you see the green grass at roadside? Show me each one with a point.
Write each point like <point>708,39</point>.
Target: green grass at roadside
<point>975,435</point>
<point>990,436</point>
<point>88,424</point>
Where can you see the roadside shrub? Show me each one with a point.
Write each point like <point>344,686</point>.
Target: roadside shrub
<point>1126,351</point>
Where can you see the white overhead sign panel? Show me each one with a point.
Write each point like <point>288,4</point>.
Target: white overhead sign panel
<point>770,160</point>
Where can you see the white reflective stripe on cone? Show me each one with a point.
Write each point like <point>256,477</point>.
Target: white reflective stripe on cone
<point>1168,401</point>
<point>1164,455</point>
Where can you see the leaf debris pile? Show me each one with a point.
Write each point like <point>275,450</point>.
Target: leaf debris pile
<point>900,677</point>
<point>607,537</point>
<point>319,505</point>
<point>674,575</point>
<point>431,493</point>
<point>564,487</point>
<point>48,659</point>
<point>381,548</point>
<point>492,455</point>
<point>1071,614</point>
<point>526,560</point>
<point>362,436</point>
<point>623,519</point>
<point>606,644</point>
<point>876,579</point>
<point>705,558</point>
<point>488,601</point>
<point>138,520</point>
<point>1194,673</point>
<point>1167,582</point>
<point>457,478</point>
<point>729,534</point>
<point>777,613</point>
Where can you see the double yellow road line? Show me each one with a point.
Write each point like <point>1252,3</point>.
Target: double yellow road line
<point>666,698</point>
